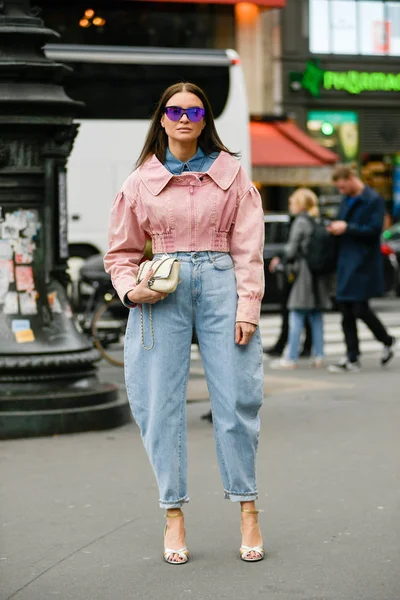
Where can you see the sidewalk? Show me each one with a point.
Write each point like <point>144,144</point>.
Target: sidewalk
<point>80,519</point>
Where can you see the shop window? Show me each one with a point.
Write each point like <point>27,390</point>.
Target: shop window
<point>393,15</point>
<point>319,27</point>
<point>373,34</point>
<point>336,130</point>
<point>368,27</point>
<point>343,25</point>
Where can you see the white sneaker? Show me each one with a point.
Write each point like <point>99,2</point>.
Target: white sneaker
<point>345,366</point>
<point>283,364</point>
<point>317,362</point>
<point>388,352</point>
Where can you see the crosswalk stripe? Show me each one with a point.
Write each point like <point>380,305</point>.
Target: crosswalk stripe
<point>363,334</point>
<point>333,335</point>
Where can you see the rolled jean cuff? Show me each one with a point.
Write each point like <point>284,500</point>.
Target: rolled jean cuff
<point>234,497</point>
<point>177,504</point>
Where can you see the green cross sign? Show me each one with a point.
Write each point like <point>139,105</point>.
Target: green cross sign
<point>314,78</point>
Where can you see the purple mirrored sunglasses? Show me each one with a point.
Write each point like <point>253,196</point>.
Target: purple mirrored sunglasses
<point>194,114</point>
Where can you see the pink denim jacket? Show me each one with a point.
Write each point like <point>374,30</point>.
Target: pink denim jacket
<point>219,210</point>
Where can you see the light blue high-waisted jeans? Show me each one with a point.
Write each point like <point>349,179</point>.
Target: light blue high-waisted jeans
<point>156,380</point>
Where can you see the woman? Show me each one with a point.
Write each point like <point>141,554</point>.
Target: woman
<point>190,195</point>
<point>309,295</point>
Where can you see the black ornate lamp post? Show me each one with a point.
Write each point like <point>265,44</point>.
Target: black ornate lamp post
<point>48,380</point>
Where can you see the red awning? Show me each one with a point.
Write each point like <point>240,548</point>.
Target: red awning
<point>283,144</point>
<point>266,3</point>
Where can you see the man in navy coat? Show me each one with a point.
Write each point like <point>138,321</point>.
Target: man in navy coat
<point>359,268</point>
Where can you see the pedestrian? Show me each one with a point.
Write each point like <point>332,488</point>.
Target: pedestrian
<point>278,348</point>
<point>192,197</point>
<point>309,294</point>
<point>359,270</point>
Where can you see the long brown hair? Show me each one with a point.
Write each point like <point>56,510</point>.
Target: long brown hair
<point>157,141</point>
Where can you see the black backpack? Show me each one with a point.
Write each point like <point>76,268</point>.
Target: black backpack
<point>321,251</point>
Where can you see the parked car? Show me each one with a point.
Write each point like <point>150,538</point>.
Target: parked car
<point>391,239</point>
<point>277,228</point>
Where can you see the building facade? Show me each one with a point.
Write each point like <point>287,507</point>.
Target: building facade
<point>341,82</point>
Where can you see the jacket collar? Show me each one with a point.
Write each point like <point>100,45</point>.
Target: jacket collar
<point>155,176</point>
<point>224,170</point>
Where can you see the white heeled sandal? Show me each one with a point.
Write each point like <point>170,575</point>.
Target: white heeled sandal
<point>245,551</point>
<point>183,553</point>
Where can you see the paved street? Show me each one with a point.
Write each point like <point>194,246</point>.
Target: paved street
<point>80,519</point>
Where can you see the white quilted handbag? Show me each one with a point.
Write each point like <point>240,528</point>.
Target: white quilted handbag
<point>165,277</point>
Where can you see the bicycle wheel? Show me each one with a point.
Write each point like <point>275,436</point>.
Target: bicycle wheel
<point>108,331</point>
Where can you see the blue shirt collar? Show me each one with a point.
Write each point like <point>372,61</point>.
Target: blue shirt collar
<point>353,199</point>
<point>177,167</point>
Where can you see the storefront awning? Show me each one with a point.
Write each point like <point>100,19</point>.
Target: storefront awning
<point>282,154</point>
<point>266,3</point>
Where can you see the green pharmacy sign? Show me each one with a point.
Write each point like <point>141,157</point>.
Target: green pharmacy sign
<point>314,79</point>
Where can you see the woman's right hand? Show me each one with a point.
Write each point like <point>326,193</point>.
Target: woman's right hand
<point>142,294</point>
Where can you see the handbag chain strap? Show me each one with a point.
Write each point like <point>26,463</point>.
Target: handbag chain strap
<point>151,327</point>
<point>151,281</point>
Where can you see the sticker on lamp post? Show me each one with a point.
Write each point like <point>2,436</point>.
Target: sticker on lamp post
<point>62,214</point>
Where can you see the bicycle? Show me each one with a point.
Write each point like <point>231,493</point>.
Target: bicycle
<point>101,314</point>
<point>108,328</point>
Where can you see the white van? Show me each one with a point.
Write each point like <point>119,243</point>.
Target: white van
<point>120,87</point>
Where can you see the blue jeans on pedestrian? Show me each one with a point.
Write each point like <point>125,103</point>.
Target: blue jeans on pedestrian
<point>296,325</point>
<point>156,380</point>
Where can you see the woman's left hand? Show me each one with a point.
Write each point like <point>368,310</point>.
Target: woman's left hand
<point>244,332</point>
<point>274,263</point>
